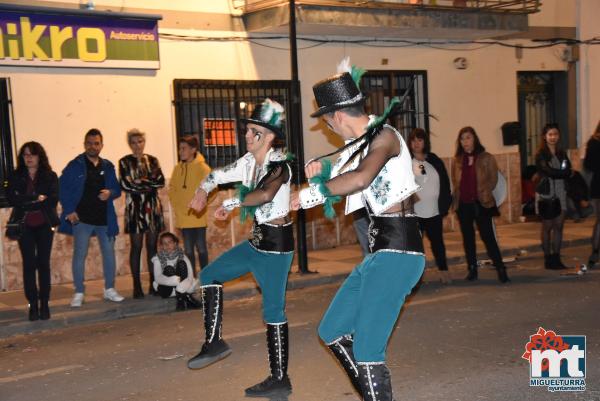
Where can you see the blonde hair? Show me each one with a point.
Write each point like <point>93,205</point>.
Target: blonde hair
<point>135,132</point>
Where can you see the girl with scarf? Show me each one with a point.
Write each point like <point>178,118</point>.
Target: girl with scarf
<point>173,274</point>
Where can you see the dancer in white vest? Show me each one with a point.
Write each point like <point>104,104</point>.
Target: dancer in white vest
<point>265,174</point>
<point>374,170</point>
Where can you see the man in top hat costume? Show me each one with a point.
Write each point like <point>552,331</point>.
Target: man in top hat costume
<point>265,175</point>
<point>374,170</point>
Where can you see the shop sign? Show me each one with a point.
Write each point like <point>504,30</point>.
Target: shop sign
<point>53,39</point>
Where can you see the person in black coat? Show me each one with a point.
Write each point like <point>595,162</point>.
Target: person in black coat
<point>592,164</point>
<point>32,191</point>
<point>434,196</point>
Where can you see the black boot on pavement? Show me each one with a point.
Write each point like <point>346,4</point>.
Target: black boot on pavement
<point>375,381</point>
<point>502,276</point>
<point>555,263</point>
<point>44,310</point>
<point>547,261</point>
<point>214,348</point>
<point>278,382</point>
<point>559,262</point>
<point>472,275</point>
<point>594,257</point>
<point>180,298</point>
<point>33,311</point>
<point>342,349</point>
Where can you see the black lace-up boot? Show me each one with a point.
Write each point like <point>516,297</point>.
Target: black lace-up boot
<point>342,349</point>
<point>214,348</point>
<point>278,383</point>
<point>375,381</point>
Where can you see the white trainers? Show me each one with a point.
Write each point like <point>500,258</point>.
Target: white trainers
<point>112,295</point>
<point>77,300</point>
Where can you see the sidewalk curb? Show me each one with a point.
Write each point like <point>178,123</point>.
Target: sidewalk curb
<point>95,312</point>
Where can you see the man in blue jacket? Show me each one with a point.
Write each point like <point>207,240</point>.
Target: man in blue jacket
<point>88,186</point>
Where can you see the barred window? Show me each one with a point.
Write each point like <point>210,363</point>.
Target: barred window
<point>212,109</point>
<point>381,86</point>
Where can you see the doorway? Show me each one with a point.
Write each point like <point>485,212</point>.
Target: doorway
<point>542,98</point>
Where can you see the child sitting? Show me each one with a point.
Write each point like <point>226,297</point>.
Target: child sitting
<point>173,275</point>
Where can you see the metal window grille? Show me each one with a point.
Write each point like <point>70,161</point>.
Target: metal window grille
<point>212,110</point>
<point>6,138</point>
<point>381,86</point>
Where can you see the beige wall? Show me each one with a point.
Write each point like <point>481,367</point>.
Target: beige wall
<point>588,70</point>
<point>66,102</point>
<point>483,96</point>
<point>555,13</point>
<point>57,106</point>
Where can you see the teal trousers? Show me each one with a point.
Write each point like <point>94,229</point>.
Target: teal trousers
<point>368,303</point>
<point>270,270</point>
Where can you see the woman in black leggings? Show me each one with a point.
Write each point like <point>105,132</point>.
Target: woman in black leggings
<point>474,175</point>
<point>141,178</point>
<point>33,192</point>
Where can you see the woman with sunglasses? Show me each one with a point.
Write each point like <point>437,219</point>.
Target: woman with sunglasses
<point>434,197</point>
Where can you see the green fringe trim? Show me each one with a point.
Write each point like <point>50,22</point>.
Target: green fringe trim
<point>320,181</point>
<point>381,119</point>
<point>245,211</point>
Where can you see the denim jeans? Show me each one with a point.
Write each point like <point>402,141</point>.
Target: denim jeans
<point>81,241</point>
<point>195,239</point>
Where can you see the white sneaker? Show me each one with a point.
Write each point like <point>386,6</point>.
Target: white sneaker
<point>112,295</point>
<point>77,300</point>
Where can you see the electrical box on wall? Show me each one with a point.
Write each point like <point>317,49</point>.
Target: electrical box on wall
<point>569,54</point>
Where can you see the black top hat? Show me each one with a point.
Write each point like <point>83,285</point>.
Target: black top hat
<point>336,93</point>
<point>268,114</point>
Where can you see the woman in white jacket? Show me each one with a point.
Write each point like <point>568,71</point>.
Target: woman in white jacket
<point>173,274</point>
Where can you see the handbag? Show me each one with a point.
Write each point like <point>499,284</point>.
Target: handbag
<point>15,225</point>
<point>549,208</point>
<point>543,187</point>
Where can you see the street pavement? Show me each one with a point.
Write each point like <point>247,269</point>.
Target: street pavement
<point>333,265</point>
<point>459,342</point>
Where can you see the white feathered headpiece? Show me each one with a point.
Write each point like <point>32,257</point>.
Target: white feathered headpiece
<point>354,71</point>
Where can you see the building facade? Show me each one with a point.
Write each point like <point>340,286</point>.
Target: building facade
<point>206,43</point>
